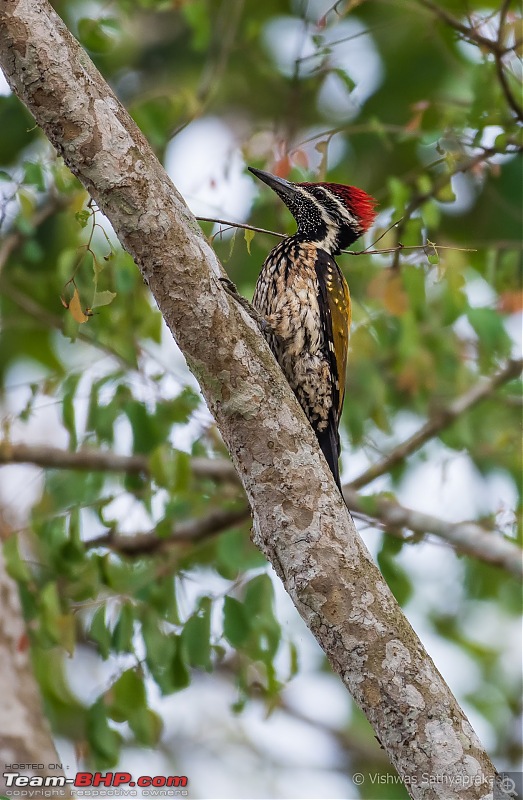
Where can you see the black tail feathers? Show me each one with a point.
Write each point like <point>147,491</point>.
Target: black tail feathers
<point>330,444</point>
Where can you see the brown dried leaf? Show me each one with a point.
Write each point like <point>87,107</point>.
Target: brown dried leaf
<point>75,308</point>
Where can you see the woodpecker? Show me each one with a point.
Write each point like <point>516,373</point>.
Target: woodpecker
<point>304,299</point>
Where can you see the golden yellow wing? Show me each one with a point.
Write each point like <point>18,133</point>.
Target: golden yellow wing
<point>335,307</point>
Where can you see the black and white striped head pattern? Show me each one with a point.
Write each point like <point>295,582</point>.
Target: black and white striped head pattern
<point>329,215</point>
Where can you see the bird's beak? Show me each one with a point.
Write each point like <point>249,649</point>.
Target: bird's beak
<point>282,187</point>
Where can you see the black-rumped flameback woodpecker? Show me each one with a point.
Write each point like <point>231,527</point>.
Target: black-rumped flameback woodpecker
<point>304,298</point>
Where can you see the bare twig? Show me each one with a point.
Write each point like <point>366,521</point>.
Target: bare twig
<point>240,225</point>
<point>482,389</point>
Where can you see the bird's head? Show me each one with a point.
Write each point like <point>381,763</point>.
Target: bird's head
<point>330,215</point>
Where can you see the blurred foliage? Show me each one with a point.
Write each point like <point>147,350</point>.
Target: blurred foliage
<point>435,138</point>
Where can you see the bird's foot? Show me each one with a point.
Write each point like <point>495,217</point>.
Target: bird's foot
<point>260,320</point>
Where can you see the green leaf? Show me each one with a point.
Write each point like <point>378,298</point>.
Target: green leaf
<point>161,595</point>
<point>494,340</point>
<point>16,566</point>
<point>83,217</point>
<point>147,726</point>
<point>124,576</point>
<point>27,206</point>
<point>413,279</point>
<point>146,434</point>
<point>49,603</point>
<point>396,577</point>
<point>236,626</point>
<point>97,35</point>
<point>179,673</point>
<point>399,196</point>
<point>127,695</point>
<point>105,742</point>
<point>34,175</point>
<point>196,636</point>
<point>345,78</point>
<point>170,468</point>
<point>446,193</point>
<point>122,638</point>
<point>248,236</point>
<point>294,660</point>
<point>259,607</point>
<point>197,16</point>
<point>102,298</point>
<point>100,633</point>
<point>259,596</point>
<point>160,649</point>
<point>68,408</point>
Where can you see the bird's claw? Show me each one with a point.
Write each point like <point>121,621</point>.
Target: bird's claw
<point>260,320</point>
<point>229,287</point>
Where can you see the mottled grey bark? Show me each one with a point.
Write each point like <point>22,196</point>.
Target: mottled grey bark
<point>26,746</point>
<point>300,520</point>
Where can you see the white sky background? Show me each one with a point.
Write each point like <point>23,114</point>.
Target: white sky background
<point>208,743</point>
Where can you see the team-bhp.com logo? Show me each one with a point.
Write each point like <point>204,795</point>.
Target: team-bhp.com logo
<point>18,785</point>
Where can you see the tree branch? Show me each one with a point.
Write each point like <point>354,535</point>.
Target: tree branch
<point>495,46</point>
<point>482,389</point>
<point>467,537</point>
<point>300,520</point>
<point>419,199</point>
<point>468,32</point>
<point>187,532</point>
<point>105,461</point>
<point>499,54</point>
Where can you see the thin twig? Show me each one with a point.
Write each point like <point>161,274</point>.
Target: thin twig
<point>240,225</point>
<point>432,246</point>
